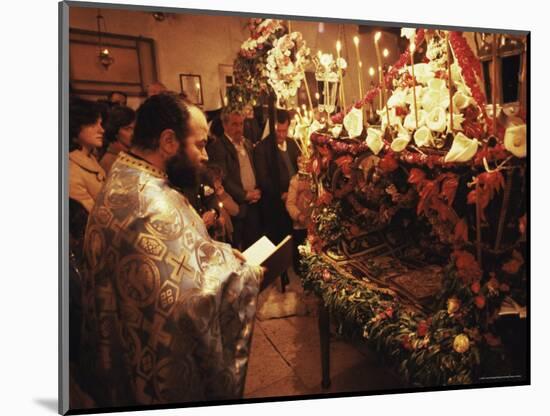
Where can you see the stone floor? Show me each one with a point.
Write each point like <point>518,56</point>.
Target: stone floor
<point>285,353</point>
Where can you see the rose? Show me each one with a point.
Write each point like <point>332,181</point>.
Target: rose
<point>436,119</point>
<point>462,149</point>
<point>423,137</point>
<point>394,118</point>
<point>402,140</point>
<point>475,287</point>
<point>353,122</point>
<point>461,343</point>
<point>374,140</point>
<point>388,163</point>
<point>480,301</point>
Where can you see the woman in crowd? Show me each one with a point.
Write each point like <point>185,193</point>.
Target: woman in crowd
<point>119,131</point>
<point>86,176</point>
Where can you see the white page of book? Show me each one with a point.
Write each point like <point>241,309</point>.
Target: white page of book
<point>258,252</point>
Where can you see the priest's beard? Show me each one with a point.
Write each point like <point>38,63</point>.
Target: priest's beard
<point>182,172</point>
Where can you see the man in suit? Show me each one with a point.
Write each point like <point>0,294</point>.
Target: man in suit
<point>234,154</point>
<point>276,160</point>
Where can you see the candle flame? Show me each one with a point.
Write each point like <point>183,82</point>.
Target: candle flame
<point>317,96</point>
<point>356,40</point>
<point>360,64</point>
<point>220,204</point>
<point>371,71</point>
<point>385,52</point>
<point>377,36</point>
<point>338,46</point>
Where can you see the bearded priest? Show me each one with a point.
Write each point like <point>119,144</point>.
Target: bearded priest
<point>168,312</point>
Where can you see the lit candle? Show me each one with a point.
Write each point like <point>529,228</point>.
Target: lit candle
<point>359,66</point>
<point>377,37</point>
<point>342,92</point>
<point>220,205</point>
<point>449,56</point>
<point>385,53</point>
<point>494,83</point>
<point>411,50</point>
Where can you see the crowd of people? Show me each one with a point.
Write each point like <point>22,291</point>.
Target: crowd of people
<point>161,205</point>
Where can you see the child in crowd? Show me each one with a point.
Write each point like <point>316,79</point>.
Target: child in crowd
<point>298,205</point>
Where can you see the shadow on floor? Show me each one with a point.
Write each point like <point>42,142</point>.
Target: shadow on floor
<point>49,404</point>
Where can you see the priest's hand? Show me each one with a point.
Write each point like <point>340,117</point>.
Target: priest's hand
<point>209,218</point>
<point>239,255</point>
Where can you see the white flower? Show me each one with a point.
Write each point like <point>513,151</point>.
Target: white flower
<point>456,73</point>
<point>437,120</point>
<point>423,137</point>
<point>342,64</point>
<point>462,149</point>
<point>353,122</point>
<point>515,140</point>
<point>374,140</point>
<point>398,98</point>
<point>461,100</point>
<point>408,32</point>
<point>208,190</point>
<point>399,144</point>
<point>422,72</point>
<point>394,119</point>
<point>463,88</point>
<point>314,127</point>
<point>402,140</point>
<point>326,59</point>
<point>419,90</point>
<point>336,130</point>
<point>433,98</point>
<point>458,119</point>
<point>437,84</point>
<point>410,119</point>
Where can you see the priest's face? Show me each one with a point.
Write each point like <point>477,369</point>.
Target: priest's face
<point>183,169</point>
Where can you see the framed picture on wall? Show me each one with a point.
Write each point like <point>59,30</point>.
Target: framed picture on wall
<point>191,87</point>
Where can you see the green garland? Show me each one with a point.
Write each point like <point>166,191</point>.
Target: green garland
<point>426,351</point>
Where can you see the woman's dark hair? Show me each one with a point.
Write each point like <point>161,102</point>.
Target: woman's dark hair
<point>81,113</point>
<point>156,114</point>
<point>119,116</point>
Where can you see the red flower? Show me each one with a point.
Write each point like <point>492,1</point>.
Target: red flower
<point>468,269</point>
<point>405,343</point>
<point>511,266</point>
<point>422,328</point>
<point>475,287</point>
<point>388,163</point>
<point>461,231</point>
<point>480,301</point>
<point>416,176</point>
<point>401,111</point>
<point>504,287</point>
<point>523,224</point>
<point>389,312</point>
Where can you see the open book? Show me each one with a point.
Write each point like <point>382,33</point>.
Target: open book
<point>275,258</point>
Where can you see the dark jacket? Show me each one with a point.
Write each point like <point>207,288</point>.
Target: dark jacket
<point>222,152</point>
<point>273,179</point>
